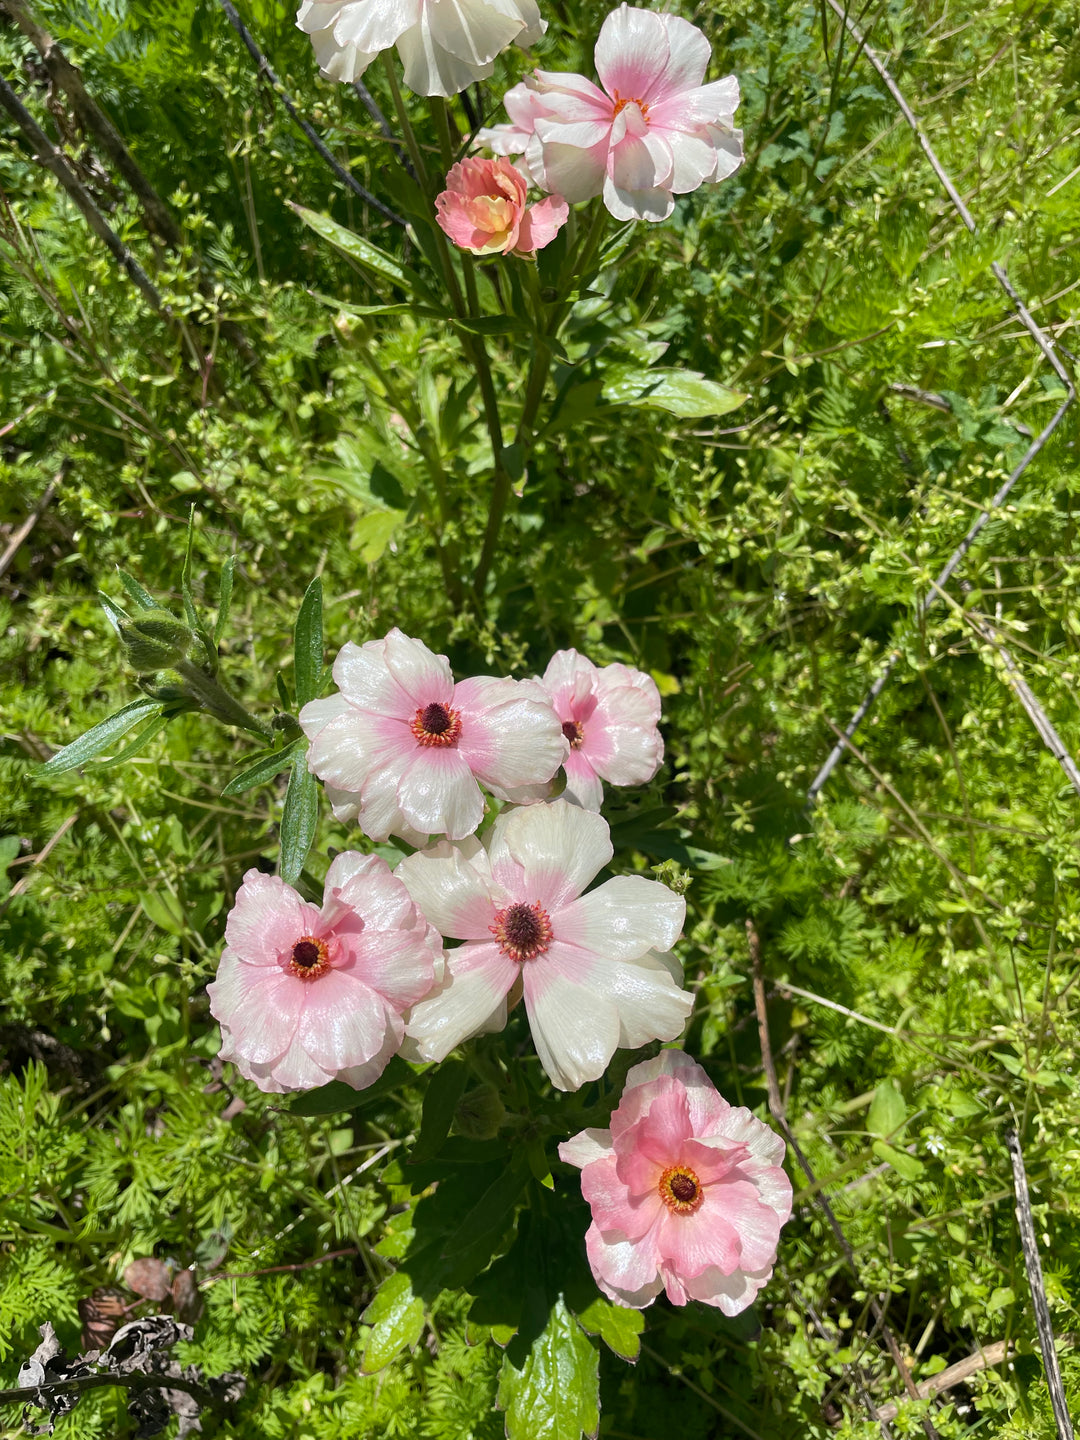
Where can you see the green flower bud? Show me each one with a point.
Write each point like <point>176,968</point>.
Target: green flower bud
<point>480,1115</point>
<point>155,640</point>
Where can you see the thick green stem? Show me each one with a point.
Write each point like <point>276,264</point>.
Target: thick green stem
<point>213,697</point>
<point>406,125</point>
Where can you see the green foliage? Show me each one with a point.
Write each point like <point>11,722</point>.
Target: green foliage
<point>919,930</point>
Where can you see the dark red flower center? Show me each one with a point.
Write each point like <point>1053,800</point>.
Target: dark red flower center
<point>523,931</point>
<point>310,958</point>
<point>680,1189</point>
<point>436,724</point>
<point>574,732</point>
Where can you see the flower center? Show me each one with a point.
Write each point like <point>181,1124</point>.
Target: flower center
<point>574,732</point>
<point>436,724</point>
<point>680,1189</point>
<point>523,931</point>
<point>310,958</point>
<point>621,103</point>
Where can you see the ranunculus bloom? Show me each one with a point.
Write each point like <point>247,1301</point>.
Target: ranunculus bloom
<point>594,969</point>
<point>401,747</point>
<point>444,44</point>
<point>483,209</point>
<point>687,1192</point>
<point>305,995</point>
<point>654,131</point>
<point>609,716</point>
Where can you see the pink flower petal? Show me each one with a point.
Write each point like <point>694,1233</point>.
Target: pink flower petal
<point>729,1293</point>
<point>653,205</point>
<point>541,223</point>
<point>586,1147</point>
<point>267,919</point>
<point>366,884</point>
<point>438,795</point>
<point>510,735</point>
<point>575,1031</point>
<point>583,785</point>
<point>615,1208</point>
<point>345,750</point>
<point>453,886</point>
<point>343,1022</point>
<point>624,918</point>
<point>259,1005</point>
<point>559,847</point>
<point>364,678</point>
<point>641,163</point>
<point>632,53</point>
<point>397,964</point>
<point>470,999</point>
<point>707,1106</point>
<point>567,171</point>
<point>688,59</point>
<point>423,677</point>
<point>627,1271</point>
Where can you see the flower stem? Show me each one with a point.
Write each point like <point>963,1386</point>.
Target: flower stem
<point>442,129</point>
<point>403,120</point>
<point>214,698</point>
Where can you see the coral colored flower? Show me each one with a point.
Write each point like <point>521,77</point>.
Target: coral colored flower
<point>652,132</point>
<point>483,209</point>
<point>593,968</point>
<point>444,44</point>
<point>687,1193</point>
<point>304,995</point>
<point>609,717</point>
<point>401,747</point>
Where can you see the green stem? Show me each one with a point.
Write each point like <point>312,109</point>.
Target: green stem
<point>442,129</point>
<point>213,697</point>
<point>406,126</point>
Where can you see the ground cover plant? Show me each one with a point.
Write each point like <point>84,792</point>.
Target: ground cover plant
<point>726,447</point>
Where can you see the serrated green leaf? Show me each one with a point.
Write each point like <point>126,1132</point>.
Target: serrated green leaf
<point>265,768</point>
<point>619,1327</point>
<point>681,392</point>
<point>440,1101</point>
<point>225,585</point>
<point>94,741</point>
<point>556,1396</point>
<point>299,818</point>
<point>362,251</point>
<point>887,1110</point>
<point>906,1166</point>
<point>396,1317</point>
<point>308,644</point>
<point>142,598</point>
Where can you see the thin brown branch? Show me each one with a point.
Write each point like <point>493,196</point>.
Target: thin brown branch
<point>984,1359</point>
<point>1033,1265</point>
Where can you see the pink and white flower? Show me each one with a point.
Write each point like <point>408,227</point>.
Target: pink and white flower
<point>401,747</point>
<point>304,994</point>
<point>609,717</point>
<point>483,209</point>
<point>594,968</point>
<point>444,44</point>
<point>687,1192</point>
<point>654,130</point>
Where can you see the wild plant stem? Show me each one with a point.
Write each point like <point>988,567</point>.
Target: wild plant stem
<point>405,123</point>
<point>216,699</point>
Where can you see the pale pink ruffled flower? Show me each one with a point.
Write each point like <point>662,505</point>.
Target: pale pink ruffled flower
<point>652,132</point>
<point>483,209</point>
<point>304,994</point>
<point>444,44</point>
<point>609,716</point>
<point>594,969</point>
<point>687,1192</point>
<point>401,747</point>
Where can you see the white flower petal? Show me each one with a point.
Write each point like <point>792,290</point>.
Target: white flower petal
<point>575,1030</point>
<point>624,918</point>
<point>438,795</point>
<point>651,205</point>
<point>586,1147</point>
<point>468,1002</point>
<point>453,886</point>
<point>558,846</point>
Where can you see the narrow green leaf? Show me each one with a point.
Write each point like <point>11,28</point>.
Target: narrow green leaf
<point>556,1396</point>
<point>361,250</point>
<point>185,575</point>
<point>94,741</point>
<point>164,910</point>
<point>396,1317</point>
<point>441,1099</point>
<point>142,598</point>
<point>113,613</point>
<point>299,817</point>
<point>619,1327</point>
<point>141,740</point>
<point>225,585</point>
<point>265,768</point>
<point>283,692</point>
<point>685,393</point>
<point>308,644</point>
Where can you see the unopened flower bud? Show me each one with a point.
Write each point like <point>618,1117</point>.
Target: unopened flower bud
<point>155,640</point>
<point>480,1114</point>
